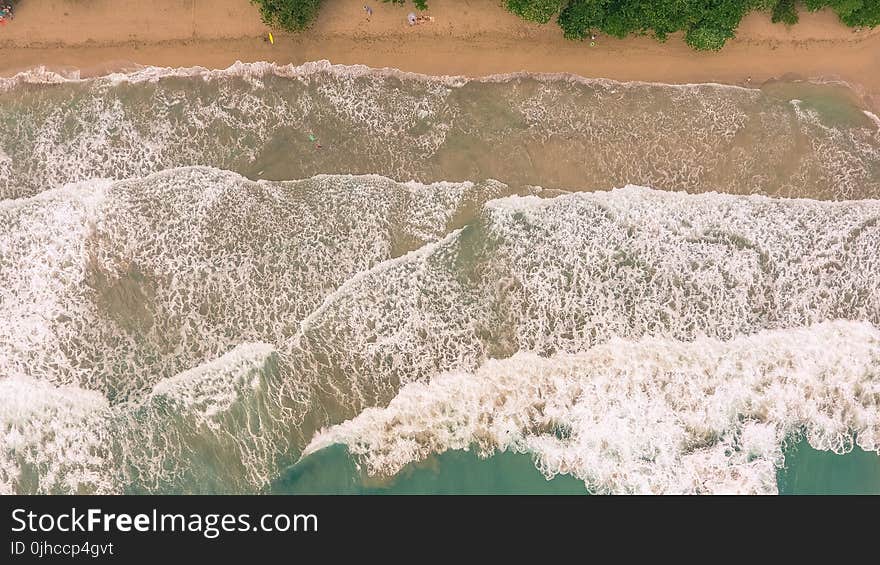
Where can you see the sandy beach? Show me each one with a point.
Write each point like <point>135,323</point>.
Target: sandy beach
<point>468,37</point>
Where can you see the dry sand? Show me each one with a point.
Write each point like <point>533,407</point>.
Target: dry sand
<point>468,37</point>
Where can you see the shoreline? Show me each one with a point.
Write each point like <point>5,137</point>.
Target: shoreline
<point>469,38</point>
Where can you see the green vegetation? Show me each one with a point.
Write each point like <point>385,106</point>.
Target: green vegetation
<point>785,12</point>
<point>855,13</point>
<point>292,15</point>
<point>707,24</point>
<point>535,10</point>
<point>420,4</point>
<point>297,15</point>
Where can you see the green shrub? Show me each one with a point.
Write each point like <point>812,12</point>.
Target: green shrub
<point>291,15</point>
<point>420,4</point>
<point>854,13</point>
<point>785,11</point>
<point>707,38</point>
<point>707,24</point>
<point>535,10</point>
<point>580,17</point>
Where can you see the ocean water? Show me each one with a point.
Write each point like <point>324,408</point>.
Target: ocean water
<point>339,279</point>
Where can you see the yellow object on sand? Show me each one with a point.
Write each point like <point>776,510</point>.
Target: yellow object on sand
<point>271,39</point>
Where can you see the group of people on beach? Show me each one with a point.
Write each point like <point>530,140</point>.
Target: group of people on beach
<point>7,12</point>
<point>412,19</point>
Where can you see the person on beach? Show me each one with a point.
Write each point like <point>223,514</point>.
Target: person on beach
<point>6,13</point>
<point>369,11</point>
<point>415,20</point>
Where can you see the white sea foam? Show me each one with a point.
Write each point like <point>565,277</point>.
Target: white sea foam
<point>213,428</point>
<point>647,416</point>
<point>97,128</point>
<point>40,75</point>
<point>42,267</point>
<point>144,278</point>
<point>52,440</point>
<point>587,267</point>
<point>211,389</point>
<point>144,317</point>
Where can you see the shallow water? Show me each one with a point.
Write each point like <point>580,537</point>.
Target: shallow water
<point>334,471</point>
<point>555,131</point>
<point>206,275</point>
<point>819,472</point>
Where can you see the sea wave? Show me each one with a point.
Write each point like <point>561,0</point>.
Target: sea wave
<point>43,75</point>
<point>652,416</point>
<point>52,438</point>
<point>208,429</point>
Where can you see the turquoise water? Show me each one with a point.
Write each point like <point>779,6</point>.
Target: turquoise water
<point>334,471</point>
<point>821,472</point>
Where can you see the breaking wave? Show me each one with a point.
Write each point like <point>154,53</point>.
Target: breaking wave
<point>653,416</point>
